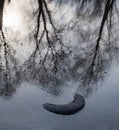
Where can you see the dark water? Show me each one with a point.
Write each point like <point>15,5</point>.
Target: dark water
<point>24,110</point>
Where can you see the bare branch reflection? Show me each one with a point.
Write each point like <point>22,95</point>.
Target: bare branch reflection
<point>54,62</point>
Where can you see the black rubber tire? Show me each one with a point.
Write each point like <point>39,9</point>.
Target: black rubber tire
<point>67,109</point>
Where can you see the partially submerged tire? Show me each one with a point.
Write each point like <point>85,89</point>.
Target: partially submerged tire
<point>67,109</point>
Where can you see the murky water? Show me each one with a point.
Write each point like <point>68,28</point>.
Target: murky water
<point>50,58</point>
<point>24,110</point>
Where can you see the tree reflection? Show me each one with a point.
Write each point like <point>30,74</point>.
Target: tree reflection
<point>53,62</point>
<point>9,69</point>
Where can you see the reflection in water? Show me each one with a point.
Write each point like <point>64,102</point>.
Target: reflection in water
<point>60,53</point>
<point>54,60</point>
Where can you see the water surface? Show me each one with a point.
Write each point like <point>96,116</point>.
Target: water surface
<point>24,110</point>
